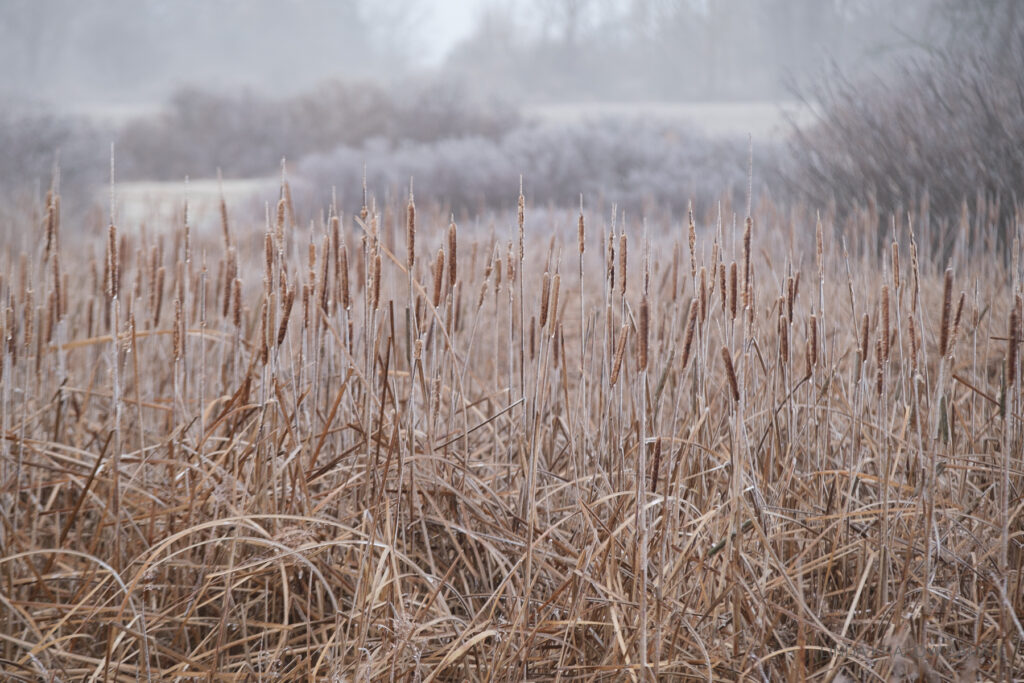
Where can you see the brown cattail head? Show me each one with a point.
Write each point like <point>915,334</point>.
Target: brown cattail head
<point>438,281</point>
<point>812,341</point>
<point>732,290</point>
<point>656,465</point>
<point>748,228</point>
<point>884,324</point>
<point>268,261</point>
<point>819,246</point>
<point>702,294</point>
<point>453,240</point>
<point>783,339</point>
<point>177,343</point>
<point>580,232</point>
<point>956,320</point>
<point>521,220</point>
<point>1012,353</point>
<point>730,374</point>
<point>913,345</point>
<point>691,323</point>
<point>286,311</point>
<point>620,349</point>
<point>545,294</point>
<point>947,312</point>
<point>723,286</point>
<point>236,303</point>
<point>622,263</point>
<point>692,241</point>
<point>410,233</point>
<point>864,323</point>
<point>305,305</point>
<point>610,262</point>
<point>376,282</point>
<point>224,227</point>
<point>279,224</point>
<point>556,282</point>
<point>896,265</point>
<point>643,332</point>
<point>343,277</point>
<point>113,266</point>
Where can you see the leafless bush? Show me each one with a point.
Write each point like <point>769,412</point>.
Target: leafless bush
<point>945,133</point>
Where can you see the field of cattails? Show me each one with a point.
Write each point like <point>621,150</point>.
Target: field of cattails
<point>747,444</point>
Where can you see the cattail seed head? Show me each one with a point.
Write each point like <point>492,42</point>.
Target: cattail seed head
<point>812,341</point>
<point>730,374</point>
<point>622,264</point>
<point>702,295</point>
<point>691,239</point>
<point>1012,353</point>
<point>376,282</point>
<point>947,305</point>
<point>620,350</point>
<point>643,332</point>
<point>545,293</point>
<point>783,339</point>
<point>438,275</point>
<point>556,282</point>
<point>289,299</point>
<point>452,255</point>
<point>580,233</point>
<point>343,277</point>
<point>732,290</point>
<point>896,265</point>
<point>410,233</point>
<point>884,324</point>
<point>691,323</point>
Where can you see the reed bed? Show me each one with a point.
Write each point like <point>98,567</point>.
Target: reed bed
<point>383,446</point>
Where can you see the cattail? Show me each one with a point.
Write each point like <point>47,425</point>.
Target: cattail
<point>305,305</point>
<point>656,465</point>
<point>224,223</point>
<point>783,339</point>
<point>289,299</point>
<point>268,261</point>
<point>438,273</point>
<point>622,264</point>
<point>410,233</point>
<point>884,323</point>
<point>947,305</point>
<point>812,342</point>
<point>376,282</point>
<point>177,342</point>
<point>29,307</point>
<point>702,295</point>
<point>691,323</point>
<point>790,296</point>
<point>748,228</point>
<point>643,335</point>
<point>730,374</point>
<point>488,266</point>
<point>497,276</point>
<point>236,304</point>
<point>555,284</point>
<point>864,335</point>
<point>620,350</point>
<point>533,336</point>
<point>580,233</point>
<point>545,294</point>
<point>879,367</point>
<point>452,254</point>
<point>279,224</point>
<point>692,242</point>
<point>324,275</point>
<point>1012,350</point>
<point>732,290</point>
<point>343,277</point>
<point>521,220</point>
<point>896,265</point>
<point>610,260</point>
<point>819,246</point>
<point>113,268</point>
<point>913,344</point>
<point>956,319</point>
<point>723,286</point>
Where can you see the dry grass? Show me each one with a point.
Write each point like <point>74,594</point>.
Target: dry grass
<point>311,456</point>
